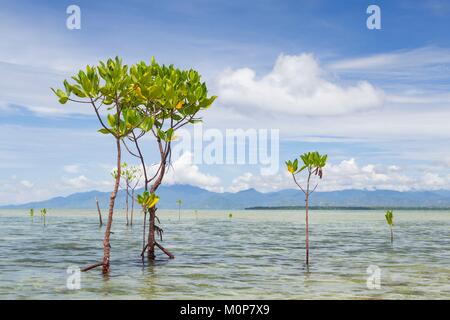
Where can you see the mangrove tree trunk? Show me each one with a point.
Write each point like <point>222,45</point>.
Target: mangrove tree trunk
<point>112,199</point>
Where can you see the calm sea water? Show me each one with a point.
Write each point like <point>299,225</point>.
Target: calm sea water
<point>253,255</point>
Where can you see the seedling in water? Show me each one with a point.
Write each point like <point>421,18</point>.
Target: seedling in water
<point>313,163</point>
<point>390,221</point>
<point>179,203</point>
<point>43,214</point>
<point>131,176</point>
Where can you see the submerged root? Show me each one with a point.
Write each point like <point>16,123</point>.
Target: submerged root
<point>170,255</point>
<point>92,266</point>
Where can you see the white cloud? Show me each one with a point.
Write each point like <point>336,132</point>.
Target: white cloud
<point>445,161</point>
<point>401,59</point>
<point>296,85</point>
<point>263,183</point>
<point>349,175</point>
<point>78,182</point>
<point>407,69</point>
<point>184,172</point>
<point>71,168</point>
<point>419,98</point>
<point>181,171</point>
<point>415,112</point>
<point>83,183</point>
<point>14,191</point>
<point>26,184</point>
<point>19,191</point>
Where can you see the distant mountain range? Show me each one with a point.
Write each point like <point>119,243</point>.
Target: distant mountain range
<point>197,198</point>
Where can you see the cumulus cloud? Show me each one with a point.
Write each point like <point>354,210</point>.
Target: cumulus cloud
<point>183,171</point>
<point>348,174</point>
<point>296,85</point>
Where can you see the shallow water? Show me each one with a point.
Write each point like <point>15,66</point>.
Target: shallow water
<point>253,255</point>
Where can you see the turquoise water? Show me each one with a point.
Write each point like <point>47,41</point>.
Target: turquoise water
<point>253,255</point>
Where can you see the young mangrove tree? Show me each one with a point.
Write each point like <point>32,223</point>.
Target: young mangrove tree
<point>105,86</point>
<point>168,99</point>
<point>313,164</point>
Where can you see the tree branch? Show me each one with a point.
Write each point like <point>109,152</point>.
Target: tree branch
<point>314,188</point>
<point>298,184</point>
<point>100,118</point>
<point>129,150</point>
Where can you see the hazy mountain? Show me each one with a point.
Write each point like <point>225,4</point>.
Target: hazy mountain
<point>197,198</point>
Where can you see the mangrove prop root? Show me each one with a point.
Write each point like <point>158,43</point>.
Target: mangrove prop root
<point>92,266</point>
<point>160,232</point>
<point>143,250</point>
<point>171,256</point>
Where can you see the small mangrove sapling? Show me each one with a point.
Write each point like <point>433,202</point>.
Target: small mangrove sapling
<point>32,214</point>
<point>129,175</point>
<point>43,214</point>
<point>179,203</point>
<point>313,164</point>
<point>390,221</point>
<point>114,174</point>
<point>132,176</point>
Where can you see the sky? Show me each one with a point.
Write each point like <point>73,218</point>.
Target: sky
<point>376,101</point>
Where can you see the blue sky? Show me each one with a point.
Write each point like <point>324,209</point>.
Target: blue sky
<point>377,101</point>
